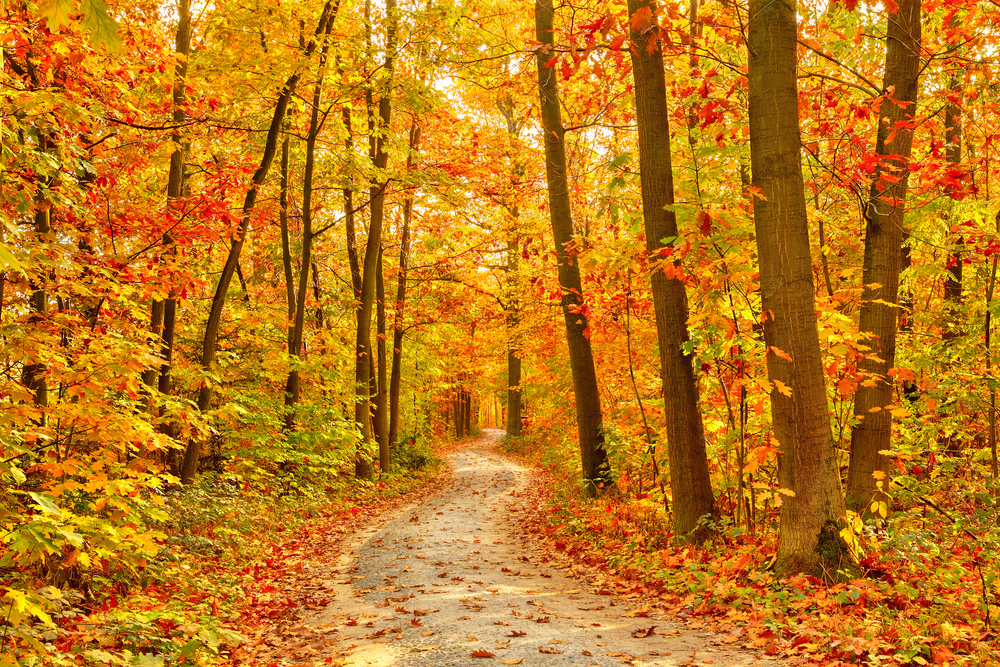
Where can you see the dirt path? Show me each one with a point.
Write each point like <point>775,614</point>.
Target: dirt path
<point>443,580</point>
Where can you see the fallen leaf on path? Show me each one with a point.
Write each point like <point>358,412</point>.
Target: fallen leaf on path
<point>511,661</point>
<point>427,633</point>
<point>642,633</point>
<point>547,649</point>
<point>500,623</point>
<point>421,649</point>
<point>517,633</point>
<point>416,622</point>
<point>480,653</point>
<point>586,652</point>
<point>543,619</point>
<point>465,618</point>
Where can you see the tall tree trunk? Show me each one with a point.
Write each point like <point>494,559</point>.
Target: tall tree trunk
<point>382,389</point>
<point>317,295</point>
<point>689,481</point>
<point>363,467</point>
<point>953,278</point>
<point>400,310</point>
<point>513,320</point>
<point>293,387</point>
<point>585,389</point>
<point>512,305</point>
<point>884,235</point>
<point>193,451</point>
<point>808,539</point>
<point>286,244</point>
<point>175,191</point>
<point>33,374</point>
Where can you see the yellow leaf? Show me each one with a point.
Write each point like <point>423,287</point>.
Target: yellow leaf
<point>783,388</point>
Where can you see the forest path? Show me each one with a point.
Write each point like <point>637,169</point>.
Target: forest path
<point>445,577</point>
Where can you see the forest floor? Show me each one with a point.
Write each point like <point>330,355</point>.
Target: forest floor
<point>447,578</point>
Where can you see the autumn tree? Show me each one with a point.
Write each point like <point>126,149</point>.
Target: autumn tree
<point>585,389</point>
<point>689,481</point>
<point>884,236</point>
<point>813,511</point>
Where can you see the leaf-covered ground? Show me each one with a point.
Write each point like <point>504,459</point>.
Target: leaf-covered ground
<point>450,580</point>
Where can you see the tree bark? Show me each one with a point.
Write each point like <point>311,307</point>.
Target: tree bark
<point>400,309</point>
<point>293,386</point>
<point>175,191</point>
<point>689,480</point>
<point>381,391</point>
<point>884,236</point>
<point>808,539</point>
<point>193,451</point>
<point>585,388</point>
<point>363,468</point>
<point>951,327</point>
<point>512,305</point>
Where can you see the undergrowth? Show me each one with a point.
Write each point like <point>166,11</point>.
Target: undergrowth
<point>929,594</point>
<point>171,588</point>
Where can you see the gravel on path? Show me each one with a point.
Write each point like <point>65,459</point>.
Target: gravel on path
<point>445,582</point>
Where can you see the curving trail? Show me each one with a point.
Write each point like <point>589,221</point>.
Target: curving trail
<point>443,579</point>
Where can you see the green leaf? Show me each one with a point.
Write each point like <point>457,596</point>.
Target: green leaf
<point>619,160</point>
<point>96,20</point>
<point>45,502</point>
<point>103,29</point>
<point>17,474</point>
<point>56,13</point>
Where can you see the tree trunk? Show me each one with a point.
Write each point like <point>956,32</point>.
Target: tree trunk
<point>689,481</point>
<point>33,375</point>
<point>381,392</point>
<point>808,539</point>
<point>512,305</point>
<point>585,389</point>
<point>363,467</point>
<point>513,338</point>
<point>400,310</point>
<point>293,387</point>
<point>193,451</point>
<point>951,327</point>
<point>175,191</point>
<point>286,244</point>
<point>884,235</point>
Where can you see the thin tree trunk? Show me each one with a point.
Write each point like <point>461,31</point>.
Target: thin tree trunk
<point>988,330</point>
<point>317,294</point>
<point>585,388</point>
<point>175,191</point>
<point>293,387</point>
<point>513,320</point>
<point>33,374</point>
<point>953,278</point>
<point>286,245</point>
<point>884,236</point>
<point>689,481</point>
<point>808,539</point>
<point>400,309</point>
<point>382,390</point>
<point>363,467</point>
<point>513,286</point>
<point>193,451</point>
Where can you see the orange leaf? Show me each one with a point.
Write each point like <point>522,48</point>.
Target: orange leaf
<point>480,653</point>
<point>546,649</point>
